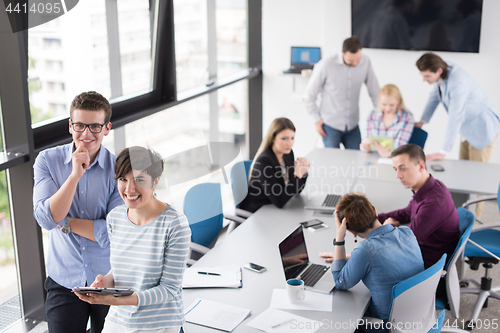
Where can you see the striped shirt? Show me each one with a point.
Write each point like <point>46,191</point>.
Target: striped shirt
<point>400,129</point>
<point>150,259</point>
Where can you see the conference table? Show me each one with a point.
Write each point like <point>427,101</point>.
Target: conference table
<point>333,171</point>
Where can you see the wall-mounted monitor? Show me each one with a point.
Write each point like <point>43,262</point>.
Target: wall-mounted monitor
<point>427,25</point>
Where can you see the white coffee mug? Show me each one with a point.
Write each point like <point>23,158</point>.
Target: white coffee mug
<point>295,290</point>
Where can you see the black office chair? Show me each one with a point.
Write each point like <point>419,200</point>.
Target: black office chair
<point>418,137</point>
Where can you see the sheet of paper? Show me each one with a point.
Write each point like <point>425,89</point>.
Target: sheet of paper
<point>385,160</point>
<point>277,321</point>
<point>313,301</point>
<point>215,315</point>
<point>230,277</point>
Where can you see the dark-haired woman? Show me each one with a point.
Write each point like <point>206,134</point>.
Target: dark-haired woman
<point>275,175</point>
<point>149,249</point>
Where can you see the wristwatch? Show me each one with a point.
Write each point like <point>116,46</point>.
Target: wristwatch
<point>338,243</point>
<point>66,229</point>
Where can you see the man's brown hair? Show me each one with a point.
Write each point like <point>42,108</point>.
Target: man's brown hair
<point>91,101</point>
<point>432,62</point>
<point>352,45</point>
<point>358,212</point>
<point>415,152</point>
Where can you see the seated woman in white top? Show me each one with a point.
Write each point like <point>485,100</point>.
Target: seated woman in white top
<point>391,119</point>
<point>149,249</point>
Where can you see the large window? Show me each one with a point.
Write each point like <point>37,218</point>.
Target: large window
<point>10,309</point>
<point>191,43</point>
<point>231,29</point>
<point>209,29</point>
<point>181,134</point>
<point>73,53</point>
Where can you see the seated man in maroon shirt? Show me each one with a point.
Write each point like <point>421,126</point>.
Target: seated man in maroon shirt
<point>431,213</point>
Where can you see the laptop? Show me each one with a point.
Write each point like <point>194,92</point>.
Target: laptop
<point>328,205</point>
<point>303,58</point>
<point>296,264</point>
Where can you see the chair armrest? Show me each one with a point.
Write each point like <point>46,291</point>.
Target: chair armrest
<point>480,199</point>
<point>191,262</point>
<point>241,212</point>
<point>199,248</point>
<point>486,226</point>
<point>234,218</point>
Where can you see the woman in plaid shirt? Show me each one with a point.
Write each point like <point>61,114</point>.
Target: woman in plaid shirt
<point>391,119</point>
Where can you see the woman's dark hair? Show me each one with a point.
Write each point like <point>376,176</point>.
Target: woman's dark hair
<point>138,158</point>
<point>358,212</point>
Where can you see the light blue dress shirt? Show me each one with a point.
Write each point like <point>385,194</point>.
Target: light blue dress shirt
<point>386,257</point>
<point>74,260</point>
<point>470,110</point>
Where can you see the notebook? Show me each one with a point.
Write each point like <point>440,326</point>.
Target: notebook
<point>215,315</point>
<point>212,277</point>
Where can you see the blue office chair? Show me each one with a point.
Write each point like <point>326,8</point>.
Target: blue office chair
<point>418,137</point>
<point>239,181</point>
<point>239,185</point>
<point>203,209</point>
<point>452,297</point>
<point>483,247</point>
<point>413,301</point>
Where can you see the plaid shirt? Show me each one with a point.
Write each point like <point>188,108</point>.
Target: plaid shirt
<point>400,129</point>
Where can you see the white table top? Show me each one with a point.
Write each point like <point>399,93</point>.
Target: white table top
<point>333,171</point>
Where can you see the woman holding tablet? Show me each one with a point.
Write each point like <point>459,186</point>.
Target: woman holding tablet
<point>391,119</point>
<point>275,175</point>
<point>149,250</point>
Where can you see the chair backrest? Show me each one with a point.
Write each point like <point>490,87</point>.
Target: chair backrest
<point>418,137</point>
<point>413,301</point>
<point>203,209</point>
<point>239,181</point>
<point>498,197</point>
<point>466,224</point>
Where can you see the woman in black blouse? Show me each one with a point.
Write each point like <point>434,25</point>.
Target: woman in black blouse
<point>275,175</point>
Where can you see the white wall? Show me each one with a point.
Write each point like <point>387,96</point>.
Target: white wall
<point>326,23</point>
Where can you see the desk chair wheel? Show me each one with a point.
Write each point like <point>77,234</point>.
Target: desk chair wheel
<point>464,284</point>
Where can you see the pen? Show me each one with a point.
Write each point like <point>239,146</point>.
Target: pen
<point>208,273</point>
<point>282,323</point>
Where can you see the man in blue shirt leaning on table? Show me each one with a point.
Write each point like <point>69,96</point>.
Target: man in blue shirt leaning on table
<point>74,191</point>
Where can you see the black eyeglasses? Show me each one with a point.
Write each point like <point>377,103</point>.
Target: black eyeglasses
<point>94,128</point>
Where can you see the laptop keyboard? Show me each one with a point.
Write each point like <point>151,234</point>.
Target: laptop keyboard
<point>331,200</point>
<point>312,274</point>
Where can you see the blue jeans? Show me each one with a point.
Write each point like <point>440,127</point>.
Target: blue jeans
<point>66,313</point>
<point>350,139</point>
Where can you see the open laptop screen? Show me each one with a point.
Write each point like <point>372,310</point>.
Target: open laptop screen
<point>294,253</point>
<point>305,56</point>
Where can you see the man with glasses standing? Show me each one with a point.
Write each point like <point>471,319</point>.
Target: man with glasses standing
<point>74,191</point>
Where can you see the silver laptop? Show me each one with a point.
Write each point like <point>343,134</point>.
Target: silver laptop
<point>328,205</point>
<point>296,264</point>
